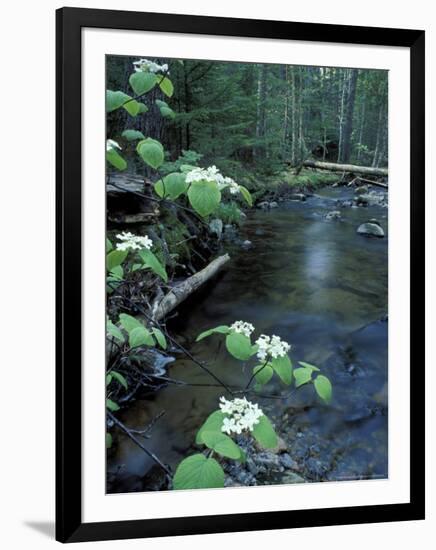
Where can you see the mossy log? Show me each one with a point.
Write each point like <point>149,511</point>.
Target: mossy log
<point>184,289</point>
<point>351,168</point>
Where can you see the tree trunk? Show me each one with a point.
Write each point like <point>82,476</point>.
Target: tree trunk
<point>261,97</point>
<point>348,122</point>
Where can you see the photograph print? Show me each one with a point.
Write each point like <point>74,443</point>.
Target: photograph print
<point>246,274</point>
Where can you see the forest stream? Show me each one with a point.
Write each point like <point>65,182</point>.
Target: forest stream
<point>321,287</point>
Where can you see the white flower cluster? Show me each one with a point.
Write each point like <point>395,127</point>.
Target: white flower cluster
<point>133,242</point>
<point>111,144</point>
<point>242,328</point>
<point>243,415</point>
<point>145,65</point>
<point>212,174</point>
<point>271,346</point>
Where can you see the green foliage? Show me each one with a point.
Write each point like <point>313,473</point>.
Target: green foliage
<point>302,376</point>
<point>129,323</point>
<point>239,346</point>
<point>263,373</point>
<point>140,336</point>
<point>265,434</point>
<point>119,378</point>
<point>112,406</point>
<point>166,86</point>
<point>222,329</point>
<point>114,331</point>
<point>221,444</point>
<point>204,197</point>
<point>151,152</point>
<point>198,472</point>
<point>160,337</point>
<point>142,82</point>
<point>114,158</point>
<point>173,185</point>
<point>213,423</point>
<point>229,213</point>
<point>132,135</point>
<point>323,387</point>
<point>190,158</point>
<point>282,366</point>
<point>149,260</point>
<point>115,258</point>
<point>108,440</point>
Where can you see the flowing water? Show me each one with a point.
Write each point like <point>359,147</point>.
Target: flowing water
<point>321,287</point>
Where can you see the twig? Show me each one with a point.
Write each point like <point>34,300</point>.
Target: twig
<point>129,433</point>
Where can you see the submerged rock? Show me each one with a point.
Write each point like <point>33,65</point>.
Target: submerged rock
<point>297,197</point>
<point>361,190</point>
<point>333,215</point>
<point>370,230</point>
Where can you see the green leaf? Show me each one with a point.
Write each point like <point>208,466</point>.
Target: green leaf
<point>204,196</point>
<point>167,112</point>
<point>246,194</point>
<point>114,100</point>
<point>283,367</point>
<point>263,373</point>
<point>151,153</point>
<point>109,245</point>
<point>129,323</point>
<point>142,108</point>
<point>112,406</point>
<point>160,337</point>
<point>264,433</point>
<point>239,346</point>
<point>222,329</point>
<point>323,387</point>
<point>142,82</point>
<point>132,107</point>
<point>302,376</point>
<point>114,158</point>
<point>213,423</point>
<point>132,135</point>
<point>140,336</point>
<point>308,366</point>
<point>198,472</point>
<point>120,378</point>
<point>108,440</point>
<point>221,444</point>
<point>114,258</point>
<point>166,86</point>
<point>117,273</point>
<point>185,168</point>
<point>114,331</point>
<point>150,260</point>
<point>108,379</point>
<point>173,185</point>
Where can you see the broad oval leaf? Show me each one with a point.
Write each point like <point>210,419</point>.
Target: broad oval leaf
<point>115,258</point>
<point>140,336</point>
<point>198,472</point>
<point>112,406</point>
<point>114,158</point>
<point>166,86</point>
<point>160,337</point>
<point>151,154</point>
<point>150,260</point>
<point>323,387</point>
<point>302,375</point>
<point>120,378</point>
<point>283,367</point>
<point>264,433</point>
<point>239,346</point>
<point>129,323</point>
<point>222,329</point>
<point>114,331</point>
<point>221,444</point>
<point>132,135</point>
<point>108,440</point>
<point>204,196</point>
<point>142,82</point>
<point>213,423</point>
<point>114,100</point>
<point>263,373</point>
<point>308,366</point>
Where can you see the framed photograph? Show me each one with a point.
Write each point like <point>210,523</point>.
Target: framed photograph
<point>240,274</point>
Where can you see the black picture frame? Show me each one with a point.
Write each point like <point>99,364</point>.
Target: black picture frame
<point>70,21</point>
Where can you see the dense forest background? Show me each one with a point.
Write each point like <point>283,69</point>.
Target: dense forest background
<point>260,117</point>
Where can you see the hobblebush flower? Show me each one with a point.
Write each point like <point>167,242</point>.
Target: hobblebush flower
<point>145,65</point>
<point>242,328</point>
<point>242,415</point>
<point>133,242</point>
<point>271,346</point>
<point>212,174</point>
<point>112,144</point>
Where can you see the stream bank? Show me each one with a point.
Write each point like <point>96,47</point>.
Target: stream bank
<point>315,282</point>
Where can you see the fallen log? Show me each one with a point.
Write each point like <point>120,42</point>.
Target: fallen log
<point>181,291</point>
<point>371,182</point>
<point>334,167</point>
